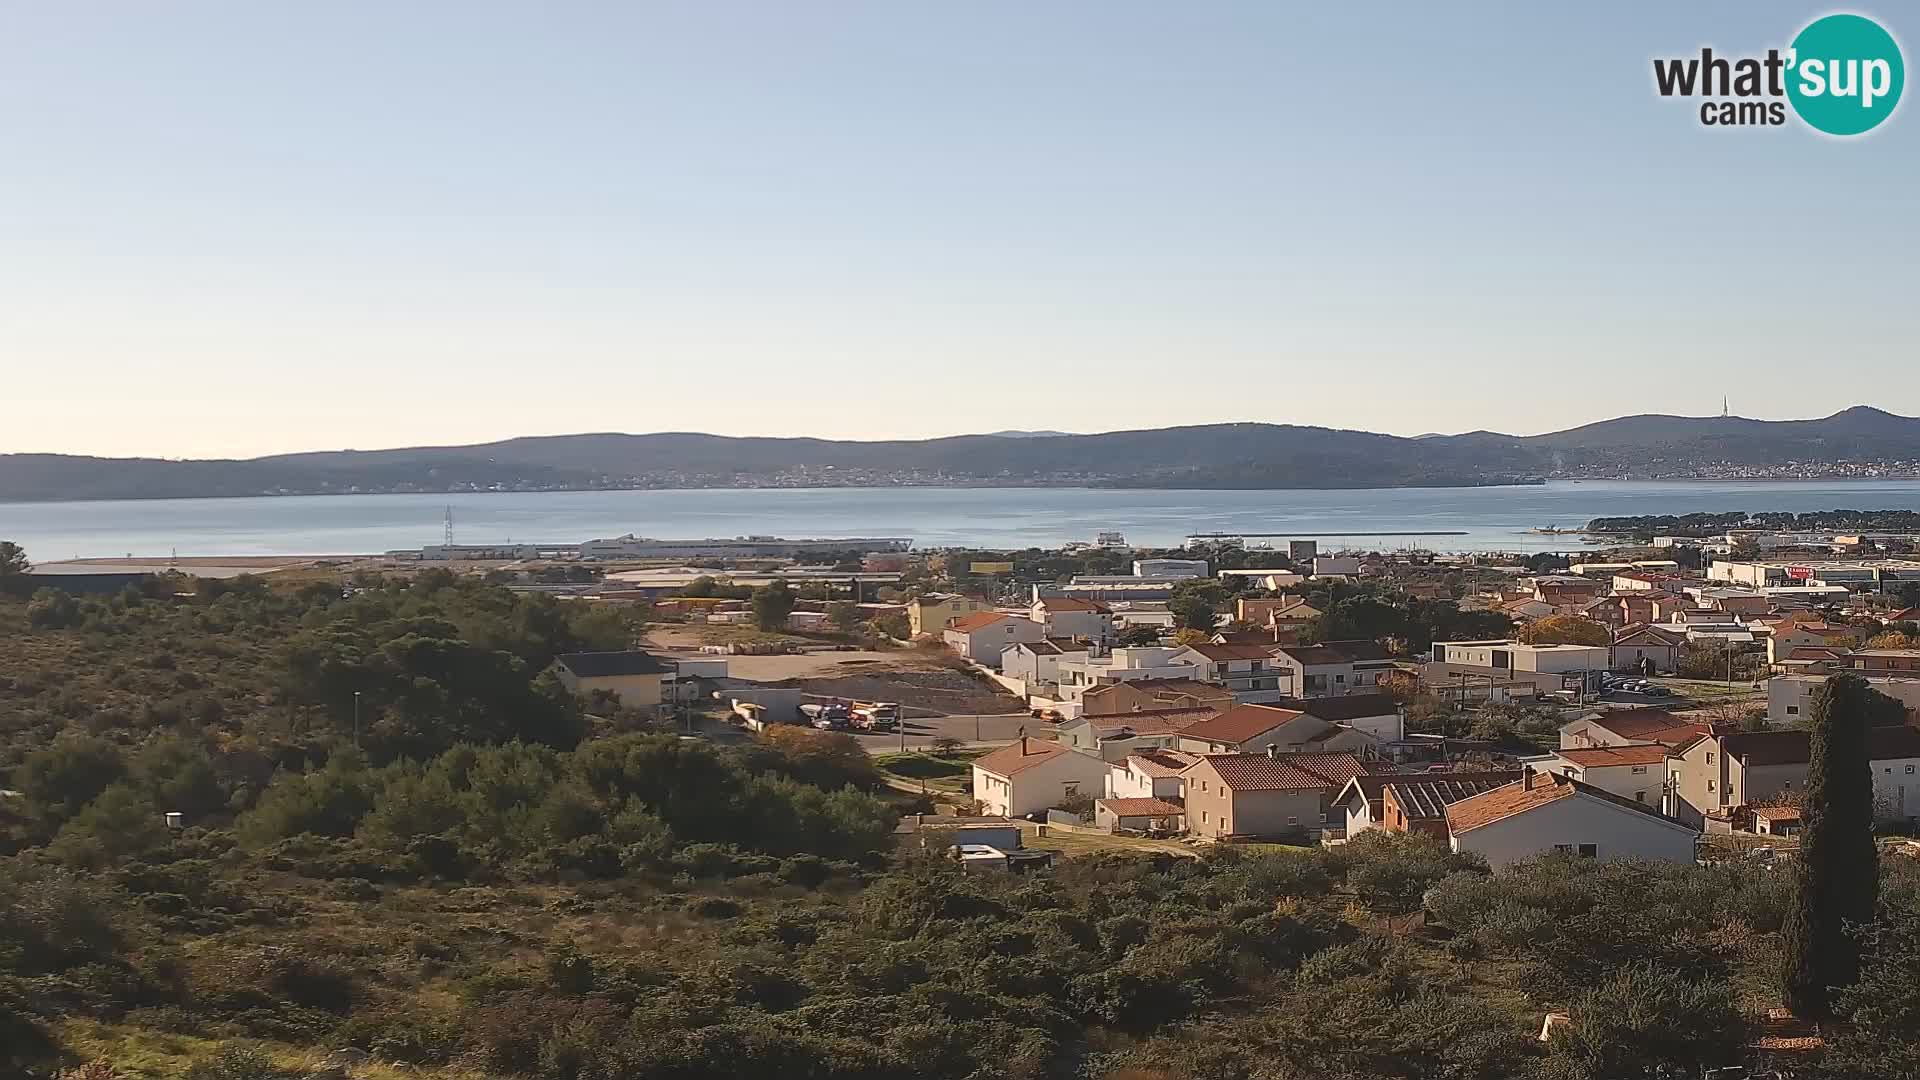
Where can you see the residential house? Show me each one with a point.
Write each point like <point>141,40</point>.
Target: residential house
<point>1363,799</point>
<point>1074,617</point>
<point>1147,774</point>
<point>632,676</point>
<point>1529,609</point>
<point>1632,772</point>
<point>1280,613</point>
<point>1606,611</point>
<point>1334,668</point>
<point>1789,635</point>
<point>1719,772</point>
<point>1379,715</point>
<point>931,613</point>
<point>984,636</point>
<point>1126,697</point>
<point>1033,774</point>
<point>1790,697</point>
<point>1037,663</point>
<point>1511,656</point>
<point>1775,820</point>
<point>1114,737</point>
<point>1643,648</point>
<point>1129,664</point>
<point>1871,662</point>
<point>1630,727</point>
<point>1254,728</point>
<point>1249,671</point>
<point>1542,813</point>
<point>1270,795</point>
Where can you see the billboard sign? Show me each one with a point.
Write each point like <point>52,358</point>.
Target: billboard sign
<point>1800,573</point>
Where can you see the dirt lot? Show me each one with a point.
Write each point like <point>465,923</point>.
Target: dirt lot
<point>920,680</point>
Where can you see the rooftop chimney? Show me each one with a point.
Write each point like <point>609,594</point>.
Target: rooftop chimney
<point>1273,751</point>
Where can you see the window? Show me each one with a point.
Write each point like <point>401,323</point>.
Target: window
<point>1639,770</point>
<point>1564,849</point>
<point>1709,785</point>
<point>1640,796</point>
<point>1203,817</point>
<point>1589,851</point>
<point>1072,789</point>
<point>1709,757</point>
<point>1793,710</point>
<point>1291,821</point>
<point>1909,770</point>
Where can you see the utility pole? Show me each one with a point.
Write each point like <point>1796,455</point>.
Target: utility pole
<point>356,719</point>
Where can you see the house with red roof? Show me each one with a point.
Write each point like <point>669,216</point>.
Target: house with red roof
<point>1631,772</point>
<point>1247,729</point>
<point>1035,774</point>
<point>1265,795</point>
<point>1543,813</point>
<point>984,635</point>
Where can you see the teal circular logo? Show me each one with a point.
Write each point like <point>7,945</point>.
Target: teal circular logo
<point>1845,74</point>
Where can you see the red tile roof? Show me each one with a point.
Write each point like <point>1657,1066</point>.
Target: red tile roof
<point>1601,757</point>
<point>1161,762</point>
<point>1258,772</point>
<point>1142,807</point>
<point>1531,792</point>
<point>1240,723</point>
<point>1019,756</point>
<point>1776,813</point>
<point>1152,721</point>
<point>1651,725</point>
<point>1286,772</point>
<point>979,620</point>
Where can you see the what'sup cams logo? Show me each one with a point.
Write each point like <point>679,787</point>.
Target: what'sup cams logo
<point>1842,75</point>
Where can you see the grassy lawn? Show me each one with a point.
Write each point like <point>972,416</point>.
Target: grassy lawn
<point>951,773</point>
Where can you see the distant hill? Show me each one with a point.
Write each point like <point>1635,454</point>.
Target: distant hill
<point>1204,456</point>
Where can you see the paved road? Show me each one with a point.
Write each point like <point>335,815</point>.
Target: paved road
<point>921,731</point>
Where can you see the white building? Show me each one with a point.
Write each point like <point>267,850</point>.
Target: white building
<point>1631,772</point>
<point>1514,656</point>
<point>1336,566</point>
<point>1542,813</point>
<point>1037,663</point>
<point>1074,617</point>
<point>1170,568</point>
<point>1030,775</point>
<point>1122,665</point>
<point>985,635</point>
<point>1147,774</point>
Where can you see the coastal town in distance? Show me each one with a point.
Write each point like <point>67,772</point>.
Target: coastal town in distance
<point>854,540</point>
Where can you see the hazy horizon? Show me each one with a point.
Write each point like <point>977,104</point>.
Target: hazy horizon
<point>1008,433</point>
<point>234,230</point>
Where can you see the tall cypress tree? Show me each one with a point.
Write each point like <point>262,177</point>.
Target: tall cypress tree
<point>1838,873</point>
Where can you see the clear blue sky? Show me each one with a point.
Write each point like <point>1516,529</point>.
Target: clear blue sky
<point>230,228</point>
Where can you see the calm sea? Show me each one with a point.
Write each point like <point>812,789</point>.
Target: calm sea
<point>1493,518</point>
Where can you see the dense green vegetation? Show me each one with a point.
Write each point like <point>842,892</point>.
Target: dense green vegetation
<point>501,880</point>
